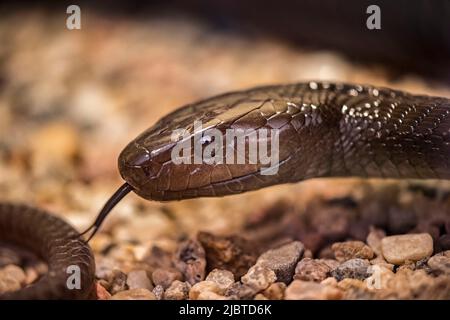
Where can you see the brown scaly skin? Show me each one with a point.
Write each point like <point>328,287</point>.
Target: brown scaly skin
<point>326,130</point>
<point>54,241</point>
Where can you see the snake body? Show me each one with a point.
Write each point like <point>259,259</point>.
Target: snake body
<point>325,130</point>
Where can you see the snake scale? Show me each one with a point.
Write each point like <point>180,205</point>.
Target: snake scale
<point>325,130</point>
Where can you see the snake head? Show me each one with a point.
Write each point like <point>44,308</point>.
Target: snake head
<point>187,154</point>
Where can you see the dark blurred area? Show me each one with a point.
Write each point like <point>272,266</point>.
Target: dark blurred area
<point>414,35</point>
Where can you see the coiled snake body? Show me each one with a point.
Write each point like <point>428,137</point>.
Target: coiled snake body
<point>325,130</point>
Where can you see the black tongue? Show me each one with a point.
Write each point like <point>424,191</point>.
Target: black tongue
<point>109,205</point>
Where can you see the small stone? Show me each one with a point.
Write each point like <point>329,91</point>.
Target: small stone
<point>223,278</point>
<point>11,278</point>
<point>138,279</point>
<point>232,253</point>
<point>134,294</point>
<point>374,240</point>
<point>118,282</point>
<point>260,296</point>
<point>158,291</point>
<point>177,291</point>
<point>440,263</point>
<point>347,250</point>
<point>239,291</point>
<point>308,290</point>
<point>203,286</point>
<point>165,277</point>
<point>209,295</point>
<point>190,260</point>
<point>311,270</point>
<point>354,268</point>
<point>15,273</point>
<point>444,241</point>
<point>380,275</point>
<point>259,277</point>
<point>412,247</point>
<point>101,292</point>
<point>282,260</point>
<point>330,281</point>
<point>275,291</point>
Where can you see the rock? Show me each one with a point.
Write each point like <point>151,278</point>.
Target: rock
<point>275,291</point>
<point>223,278</point>
<point>374,240</point>
<point>239,291</point>
<point>118,282</point>
<point>165,277</point>
<point>282,260</point>
<point>330,281</point>
<point>440,263</point>
<point>259,277</point>
<point>201,287</point>
<point>401,248</point>
<point>101,293</point>
<point>209,295</point>
<point>231,253</point>
<point>311,270</point>
<point>104,267</point>
<point>158,291</point>
<point>157,257</point>
<point>347,250</point>
<point>11,278</point>
<point>354,268</point>
<point>307,290</point>
<point>190,260</point>
<point>138,279</point>
<point>177,291</point>
<point>354,289</point>
<point>260,296</point>
<point>14,272</point>
<point>379,278</point>
<point>134,294</point>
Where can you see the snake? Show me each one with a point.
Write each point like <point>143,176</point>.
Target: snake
<point>324,129</point>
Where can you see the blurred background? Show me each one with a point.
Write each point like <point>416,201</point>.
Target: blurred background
<point>70,100</point>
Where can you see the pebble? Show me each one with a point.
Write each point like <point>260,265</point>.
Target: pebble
<point>259,277</point>
<point>232,253</point>
<point>282,260</point>
<point>138,279</point>
<point>311,270</point>
<point>158,291</point>
<point>275,291</point>
<point>223,278</point>
<point>101,292</point>
<point>353,268</point>
<point>202,286</point>
<point>165,277</point>
<point>190,260</point>
<point>440,263</point>
<point>379,278</point>
<point>118,282</point>
<point>11,278</point>
<point>209,295</point>
<point>347,250</point>
<point>260,296</point>
<point>374,240</point>
<point>134,294</point>
<point>239,291</point>
<point>308,290</point>
<point>178,290</point>
<point>408,247</point>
